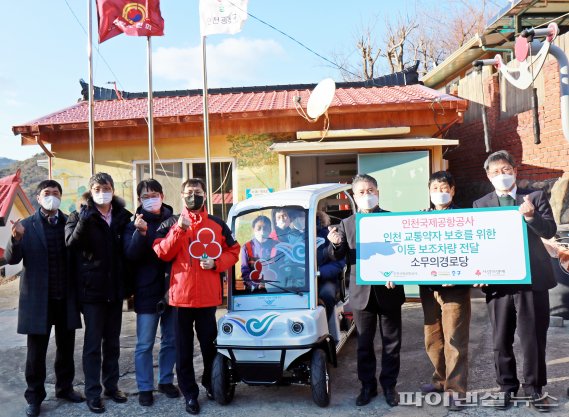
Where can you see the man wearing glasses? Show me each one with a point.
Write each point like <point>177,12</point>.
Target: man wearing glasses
<point>199,246</point>
<point>94,233</point>
<point>523,306</point>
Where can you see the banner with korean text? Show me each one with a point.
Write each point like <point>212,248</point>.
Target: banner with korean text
<point>465,246</point>
<point>222,16</point>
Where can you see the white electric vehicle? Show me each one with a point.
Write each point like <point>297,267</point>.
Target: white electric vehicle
<point>279,333</point>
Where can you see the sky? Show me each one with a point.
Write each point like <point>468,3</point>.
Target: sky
<point>43,52</point>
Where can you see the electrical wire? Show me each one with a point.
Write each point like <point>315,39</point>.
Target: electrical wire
<point>334,64</point>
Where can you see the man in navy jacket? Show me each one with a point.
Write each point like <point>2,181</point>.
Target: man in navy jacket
<point>150,286</point>
<point>47,296</point>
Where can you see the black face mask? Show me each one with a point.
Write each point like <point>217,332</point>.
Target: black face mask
<point>194,202</point>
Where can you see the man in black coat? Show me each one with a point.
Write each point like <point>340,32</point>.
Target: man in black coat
<point>523,306</point>
<point>47,296</point>
<point>95,235</point>
<point>369,302</point>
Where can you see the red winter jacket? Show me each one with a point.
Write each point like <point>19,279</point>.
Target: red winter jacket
<point>190,285</point>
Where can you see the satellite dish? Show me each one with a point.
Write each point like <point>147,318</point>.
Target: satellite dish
<point>320,98</point>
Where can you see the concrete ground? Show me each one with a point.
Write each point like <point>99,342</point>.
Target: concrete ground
<point>283,400</point>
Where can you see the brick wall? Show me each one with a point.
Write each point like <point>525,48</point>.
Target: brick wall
<point>539,166</point>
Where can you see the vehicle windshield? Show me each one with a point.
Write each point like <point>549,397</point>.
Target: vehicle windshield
<point>273,251</point>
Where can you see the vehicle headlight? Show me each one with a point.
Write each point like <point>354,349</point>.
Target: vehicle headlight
<point>296,327</point>
<point>227,328</point>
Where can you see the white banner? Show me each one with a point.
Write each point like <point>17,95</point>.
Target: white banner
<point>465,246</point>
<point>222,16</point>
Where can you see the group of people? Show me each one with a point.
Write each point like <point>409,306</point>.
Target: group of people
<point>78,263</point>
<point>447,308</point>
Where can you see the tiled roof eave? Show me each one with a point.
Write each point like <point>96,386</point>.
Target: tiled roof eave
<point>457,104</point>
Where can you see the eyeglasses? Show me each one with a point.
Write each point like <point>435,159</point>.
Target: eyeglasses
<point>191,193</point>
<point>149,196</point>
<point>103,189</point>
<point>504,170</point>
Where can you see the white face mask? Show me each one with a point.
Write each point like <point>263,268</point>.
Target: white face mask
<point>50,203</point>
<point>503,182</point>
<point>298,223</point>
<point>281,224</point>
<point>440,199</point>
<point>261,236</point>
<point>102,198</point>
<point>152,204</point>
<point>367,201</point>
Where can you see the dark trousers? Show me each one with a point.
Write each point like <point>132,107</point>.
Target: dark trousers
<point>390,330</point>
<point>102,327</point>
<point>206,330</point>
<point>37,350</point>
<point>529,311</point>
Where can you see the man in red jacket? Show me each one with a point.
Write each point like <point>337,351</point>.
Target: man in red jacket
<point>199,246</point>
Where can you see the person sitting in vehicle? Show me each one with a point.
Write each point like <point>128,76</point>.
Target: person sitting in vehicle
<point>297,226</point>
<point>282,225</point>
<point>260,248</point>
<point>329,269</point>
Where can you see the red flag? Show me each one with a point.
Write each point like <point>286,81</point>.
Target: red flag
<point>134,18</point>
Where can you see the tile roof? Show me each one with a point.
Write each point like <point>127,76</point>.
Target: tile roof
<point>268,100</point>
<point>9,188</point>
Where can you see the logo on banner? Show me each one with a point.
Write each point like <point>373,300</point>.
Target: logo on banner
<point>134,13</point>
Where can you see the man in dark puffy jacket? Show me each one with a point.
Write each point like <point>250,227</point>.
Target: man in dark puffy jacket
<point>94,233</point>
<point>150,287</point>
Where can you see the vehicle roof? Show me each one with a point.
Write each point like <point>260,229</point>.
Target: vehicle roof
<point>300,196</point>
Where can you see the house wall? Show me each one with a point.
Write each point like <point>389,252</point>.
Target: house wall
<point>539,165</point>
<point>18,211</point>
<point>71,165</point>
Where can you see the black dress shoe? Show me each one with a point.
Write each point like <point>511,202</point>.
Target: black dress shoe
<point>366,394</point>
<point>192,406</point>
<point>170,390</point>
<point>145,398</point>
<point>71,396</point>
<point>96,405</point>
<point>506,402</point>
<point>117,396</point>
<point>540,402</point>
<point>391,396</point>
<point>33,410</point>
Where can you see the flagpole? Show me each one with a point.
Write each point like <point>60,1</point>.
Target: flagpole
<point>150,110</point>
<point>209,199</point>
<point>91,88</point>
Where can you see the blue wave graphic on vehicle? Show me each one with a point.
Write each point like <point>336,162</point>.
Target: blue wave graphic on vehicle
<point>255,327</point>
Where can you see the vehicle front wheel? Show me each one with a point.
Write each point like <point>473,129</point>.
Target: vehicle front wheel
<point>221,384</point>
<point>319,378</point>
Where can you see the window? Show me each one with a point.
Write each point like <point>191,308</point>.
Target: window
<point>273,255</point>
<point>171,174</point>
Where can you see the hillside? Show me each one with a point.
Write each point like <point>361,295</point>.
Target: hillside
<point>31,174</point>
<point>5,162</point>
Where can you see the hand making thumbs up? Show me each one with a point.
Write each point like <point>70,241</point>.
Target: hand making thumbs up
<point>17,229</point>
<point>140,224</point>
<point>527,208</point>
<point>334,236</point>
